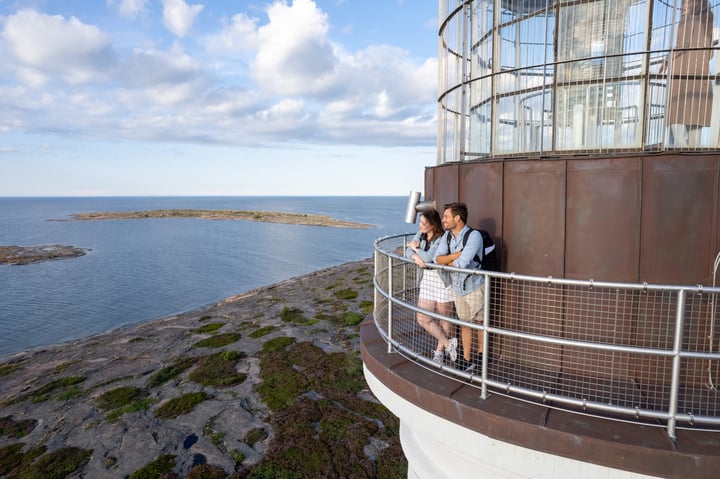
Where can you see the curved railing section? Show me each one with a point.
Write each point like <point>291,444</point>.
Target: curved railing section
<point>633,352</point>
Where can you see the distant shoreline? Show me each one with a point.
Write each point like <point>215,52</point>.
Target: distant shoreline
<point>19,255</point>
<point>245,215</point>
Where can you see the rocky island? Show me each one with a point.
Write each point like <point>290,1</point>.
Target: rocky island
<point>265,384</point>
<point>32,254</point>
<point>246,215</point>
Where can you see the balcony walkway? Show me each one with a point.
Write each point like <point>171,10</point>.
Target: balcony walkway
<point>631,447</point>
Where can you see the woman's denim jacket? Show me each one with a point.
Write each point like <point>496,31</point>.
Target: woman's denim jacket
<point>426,255</point>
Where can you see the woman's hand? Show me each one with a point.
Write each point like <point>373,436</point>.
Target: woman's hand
<point>418,261</point>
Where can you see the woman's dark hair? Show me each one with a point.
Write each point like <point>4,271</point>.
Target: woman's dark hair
<point>433,219</point>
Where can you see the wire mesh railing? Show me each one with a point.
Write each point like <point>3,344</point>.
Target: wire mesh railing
<point>632,352</point>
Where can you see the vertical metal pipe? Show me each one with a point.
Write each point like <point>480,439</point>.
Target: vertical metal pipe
<point>677,347</point>
<point>486,339</point>
<point>390,302</point>
<point>376,296</point>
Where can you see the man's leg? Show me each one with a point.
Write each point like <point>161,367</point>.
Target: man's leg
<point>463,312</point>
<point>476,302</point>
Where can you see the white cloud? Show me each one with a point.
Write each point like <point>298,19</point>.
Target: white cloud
<point>178,16</point>
<point>294,56</point>
<point>302,87</point>
<point>237,38</point>
<point>155,68</point>
<point>49,44</point>
<point>129,8</point>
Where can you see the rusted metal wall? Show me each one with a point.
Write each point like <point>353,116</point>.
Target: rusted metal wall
<point>634,219</point>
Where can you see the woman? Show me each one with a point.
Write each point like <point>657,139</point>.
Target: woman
<point>690,101</point>
<point>434,295</point>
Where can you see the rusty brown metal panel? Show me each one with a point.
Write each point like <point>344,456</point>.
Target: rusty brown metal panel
<point>678,217</point>
<point>446,185</point>
<point>429,192</point>
<point>603,219</point>
<point>534,217</point>
<point>481,188</point>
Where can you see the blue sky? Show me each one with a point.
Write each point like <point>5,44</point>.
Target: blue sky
<point>216,97</point>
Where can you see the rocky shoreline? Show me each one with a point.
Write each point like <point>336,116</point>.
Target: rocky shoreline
<point>264,384</point>
<point>19,255</point>
<point>245,215</point>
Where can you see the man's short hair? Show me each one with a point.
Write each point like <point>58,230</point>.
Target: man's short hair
<point>458,209</point>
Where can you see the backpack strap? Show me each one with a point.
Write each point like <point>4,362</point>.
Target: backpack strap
<point>477,258</point>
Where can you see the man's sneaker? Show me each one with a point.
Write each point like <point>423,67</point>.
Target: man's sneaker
<point>469,366</point>
<point>438,357</point>
<point>451,349</point>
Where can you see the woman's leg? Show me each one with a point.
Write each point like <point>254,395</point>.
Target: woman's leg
<point>445,309</point>
<point>430,325</point>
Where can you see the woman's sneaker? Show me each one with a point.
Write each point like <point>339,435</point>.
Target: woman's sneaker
<point>451,349</point>
<point>438,357</point>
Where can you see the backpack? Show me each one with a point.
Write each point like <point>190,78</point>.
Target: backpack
<point>488,251</point>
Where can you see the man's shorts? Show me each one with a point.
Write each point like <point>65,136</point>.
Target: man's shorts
<point>470,306</point>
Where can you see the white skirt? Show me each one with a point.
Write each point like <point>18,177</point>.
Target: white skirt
<point>433,288</point>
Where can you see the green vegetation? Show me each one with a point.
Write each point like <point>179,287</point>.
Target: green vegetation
<point>180,405</point>
<point>123,400</point>
<point>208,328</point>
<point>346,294</point>
<point>10,457</point>
<point>260,332</point>
<point>60,368</point>
<point>204,318</point>
<point>171,372</point>
<point>57,387</point>
<point>322,437</point>
<point>16,429</point>
<point>9,368</point>
<point>366,307</point>
<point>292,315</point>
<point>218,341</point>
<point>156,469</point>
<point>54,465</point>
<point>218,370</point>
<point>206,471</point>
<point>255,435</point>
<point>119,397</point>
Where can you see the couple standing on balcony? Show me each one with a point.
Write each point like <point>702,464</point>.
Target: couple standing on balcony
<point>450,248</point>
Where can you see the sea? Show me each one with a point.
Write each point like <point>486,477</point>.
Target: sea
<point>146,269</point>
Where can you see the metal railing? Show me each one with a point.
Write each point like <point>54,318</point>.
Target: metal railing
<point>632,352</point>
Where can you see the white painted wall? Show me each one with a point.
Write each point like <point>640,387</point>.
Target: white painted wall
<point>439,449</point>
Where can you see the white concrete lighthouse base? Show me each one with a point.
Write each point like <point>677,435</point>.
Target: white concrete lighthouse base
<point>440,449</point>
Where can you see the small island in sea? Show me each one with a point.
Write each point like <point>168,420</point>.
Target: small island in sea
<point>247,215</point>
<point>32,254</point>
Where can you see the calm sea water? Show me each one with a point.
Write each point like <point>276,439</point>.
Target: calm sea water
<point>139,270</point>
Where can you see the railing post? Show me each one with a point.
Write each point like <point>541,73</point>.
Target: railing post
<point>376,295</point>
<point>390,302</point>
<point>677,347</point>
<point>486,338</point>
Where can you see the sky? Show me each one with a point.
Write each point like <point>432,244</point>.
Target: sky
<point>217,97</point>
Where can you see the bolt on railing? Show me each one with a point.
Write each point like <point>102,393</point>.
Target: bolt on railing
<point>624,351</point>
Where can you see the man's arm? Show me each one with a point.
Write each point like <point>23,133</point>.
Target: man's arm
<point>447,259</point>
<point>473,247</point>
<point>442,254</point>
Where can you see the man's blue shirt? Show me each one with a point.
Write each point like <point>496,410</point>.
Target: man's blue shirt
<point>463,283</point>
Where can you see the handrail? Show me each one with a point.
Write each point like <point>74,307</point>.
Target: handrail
<point>633,352</point>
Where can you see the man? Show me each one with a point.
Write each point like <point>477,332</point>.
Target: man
<point>468,288</point>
